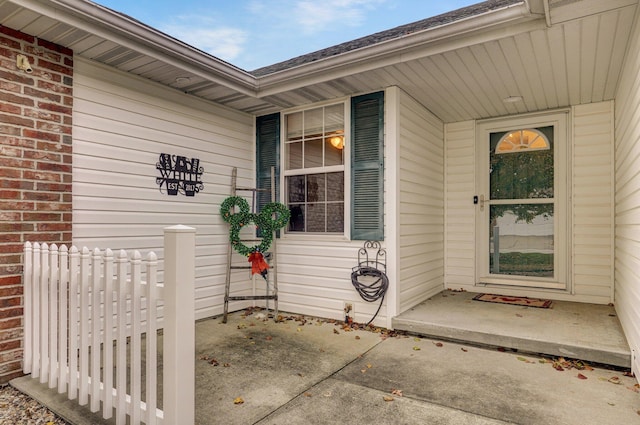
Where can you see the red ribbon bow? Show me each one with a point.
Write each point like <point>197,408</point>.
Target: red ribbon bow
<point>258,265</point>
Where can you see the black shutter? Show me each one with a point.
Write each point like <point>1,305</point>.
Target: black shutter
<point>367,167</point>
<point>267,156</point>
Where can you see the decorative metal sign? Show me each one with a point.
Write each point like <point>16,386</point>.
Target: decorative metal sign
<point>179,174</point>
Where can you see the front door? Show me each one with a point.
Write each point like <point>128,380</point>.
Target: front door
<point>521,206</point>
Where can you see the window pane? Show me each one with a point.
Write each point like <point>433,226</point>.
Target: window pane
<point>313,121</point>
<point>296,223</point>
<point>294,126</point>
<point>295,189</point>
<point>334,118</point>
<point>316,216</point>
<point>335,217</point>
<point>294,156</point>
<point>335,187</point>
<point>315,187</point>
<point>521,240</point>
<point>313,153</point>
<point>333,155</point>
<point>521,175</point>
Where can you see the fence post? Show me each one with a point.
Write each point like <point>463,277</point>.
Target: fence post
<point>179,325</point>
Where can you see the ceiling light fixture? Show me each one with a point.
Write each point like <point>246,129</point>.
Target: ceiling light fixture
<point>512,99</point>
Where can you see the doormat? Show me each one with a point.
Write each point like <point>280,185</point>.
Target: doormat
<point>502,299</point>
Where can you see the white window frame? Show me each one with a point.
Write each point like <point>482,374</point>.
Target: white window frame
<point>345,168</point>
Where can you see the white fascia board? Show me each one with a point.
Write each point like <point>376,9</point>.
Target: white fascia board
<point>127,32</point>
<point>496,24</point>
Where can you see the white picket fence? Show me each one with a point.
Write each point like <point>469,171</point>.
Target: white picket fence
<point>84,327</point>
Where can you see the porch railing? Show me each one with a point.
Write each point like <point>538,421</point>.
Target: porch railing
<point>91,327</point>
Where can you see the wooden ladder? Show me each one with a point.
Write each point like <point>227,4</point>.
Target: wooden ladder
<point>270,257</point>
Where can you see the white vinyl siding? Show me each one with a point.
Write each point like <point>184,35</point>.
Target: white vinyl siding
<point>627,198</point>
<point>460,183</point>
<point>592,191</point>
<point>121,126</point>
<point>421,212</point>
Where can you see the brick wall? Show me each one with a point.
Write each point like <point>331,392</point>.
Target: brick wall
<point>35,170</point>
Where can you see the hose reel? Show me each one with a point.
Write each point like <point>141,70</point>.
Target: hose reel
<point>369,277</point>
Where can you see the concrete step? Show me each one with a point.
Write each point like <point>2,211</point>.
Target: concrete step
<point>589,332</point>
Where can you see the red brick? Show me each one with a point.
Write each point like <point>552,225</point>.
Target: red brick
<point>41,135</point>
<point>54,187</point>
<point>12,334</point>
<point>10,130</point>
<point>10,345</point>
<point>53,227</point>
<point>10,280</point>
<point>17,34</point>
<point>55,87</point>
<point>11,312</point>
<point>48,166</point>
<point>16,120</point>
<point>15,77</point>
<point>62,69</point>
<point>10,355</point>
<point>41,196</point>
<point>16,227</point>
<point>11,323</point>
<point>10,237</point>
<point>44,237</point>
<point>16,141</point>
<point>10,173</point>
<point>43,115</point>
<point>40,175</point>
<point>15,152</point>
<point>15,184</point>
<point>17,373</point>
<point>10,303</point>
<point>54,107</point>
<point>42,94</point>
<point>49,156</point>
<point>9,108</point>
<point>49,206</point>
<point>10,216</point>
<point>53,147</point>
<point>10,87</point>
<point>52,127</point>
<point>28,216</point>
<point>11,248</point>
<point>17,100</point>
<point>16,206</point>
<point>9,194</point>
<point>4,41</point>
<point>16,163</point>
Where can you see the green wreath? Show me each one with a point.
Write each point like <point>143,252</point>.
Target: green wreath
<point>263,221</point>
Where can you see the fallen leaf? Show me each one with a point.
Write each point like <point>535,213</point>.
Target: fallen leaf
<point>614,380</point>
<point>238,400</point>
<point>389,398</point>
<point>396,392</point>
<point>369,365</point>
<point>522,359</point>
<point>300,330</point>
<point>416,339</point>
<point>416,348</point>
<point>357,337</point>
<point>363,370</point>
<point>629,374</point>
<point>307,394</point>
<point>226,364</point>
<point>519,315</point>
<point>438,344</point>
<point>214,362</point>
<point>638,412</point>
<point>464,349</point>
<point>335,331</point>
<point>634,389</point>
<point>269,338</point>
<point>242,326</point>
<point>581,376</point>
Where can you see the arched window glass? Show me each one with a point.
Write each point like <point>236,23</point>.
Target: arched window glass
<point>522,140</point>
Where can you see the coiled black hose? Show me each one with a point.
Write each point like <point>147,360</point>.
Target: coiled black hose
<point>374,291</point>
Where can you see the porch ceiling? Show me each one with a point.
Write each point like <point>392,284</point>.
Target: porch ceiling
<point>553,53</point>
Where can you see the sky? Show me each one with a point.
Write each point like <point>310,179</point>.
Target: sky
<point>251,34</point>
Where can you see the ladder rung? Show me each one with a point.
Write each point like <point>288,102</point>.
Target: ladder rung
<point>253,297</point>
<point>243,267</point>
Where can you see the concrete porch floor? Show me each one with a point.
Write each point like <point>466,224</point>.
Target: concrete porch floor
<point>588,332</point>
